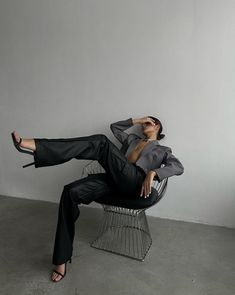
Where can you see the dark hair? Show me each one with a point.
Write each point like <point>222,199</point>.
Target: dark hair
<point>157,121</point>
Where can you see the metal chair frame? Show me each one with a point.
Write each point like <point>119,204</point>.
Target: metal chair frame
<point>124,231</point>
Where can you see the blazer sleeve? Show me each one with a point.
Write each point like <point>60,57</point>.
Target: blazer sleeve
<point>172,166</point>
<point>119,127</point>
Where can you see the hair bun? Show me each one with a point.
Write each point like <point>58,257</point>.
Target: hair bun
<point>160,136</point>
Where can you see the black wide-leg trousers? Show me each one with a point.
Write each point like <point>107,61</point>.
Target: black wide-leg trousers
<point>121,176</point>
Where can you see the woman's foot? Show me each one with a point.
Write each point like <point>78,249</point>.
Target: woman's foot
<point>60,268</point>
<point>27,143</point>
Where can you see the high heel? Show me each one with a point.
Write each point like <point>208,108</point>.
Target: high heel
<point>28,164</point>
<point>59,273</point>
<point>17,145</point>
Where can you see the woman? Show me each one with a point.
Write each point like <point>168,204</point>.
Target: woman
<point>130,170</point>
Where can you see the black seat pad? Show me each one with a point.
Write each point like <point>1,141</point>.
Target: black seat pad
<point>128,201</point>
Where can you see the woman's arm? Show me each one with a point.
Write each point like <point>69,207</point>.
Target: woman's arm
<point>119,127</point>
<point>173,166</point>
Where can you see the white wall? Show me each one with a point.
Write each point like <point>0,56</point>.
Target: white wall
<point>70,68</point>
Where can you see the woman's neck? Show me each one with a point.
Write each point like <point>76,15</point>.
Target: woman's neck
<point>150,137</point>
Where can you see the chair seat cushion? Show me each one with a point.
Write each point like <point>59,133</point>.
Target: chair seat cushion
<point>129,201</point>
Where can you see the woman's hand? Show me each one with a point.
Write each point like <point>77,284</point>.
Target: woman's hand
<point>143,120</point>
<point>147,184</point>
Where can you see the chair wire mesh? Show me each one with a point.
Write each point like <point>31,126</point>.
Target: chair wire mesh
<point>123,231</point>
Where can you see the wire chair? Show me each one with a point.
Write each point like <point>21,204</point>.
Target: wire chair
<point>124,230</point>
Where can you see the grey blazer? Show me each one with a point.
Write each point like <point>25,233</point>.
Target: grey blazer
<point>152,156</point>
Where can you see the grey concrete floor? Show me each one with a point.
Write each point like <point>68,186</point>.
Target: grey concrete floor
<point>185,258</point>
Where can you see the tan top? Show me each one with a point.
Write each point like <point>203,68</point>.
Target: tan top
<point>134,155</point>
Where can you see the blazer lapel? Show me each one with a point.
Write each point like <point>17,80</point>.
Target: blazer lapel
<point>148,147</point>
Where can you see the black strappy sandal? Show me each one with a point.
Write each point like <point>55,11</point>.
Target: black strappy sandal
<point>59,273</point>
<point>17,145</point>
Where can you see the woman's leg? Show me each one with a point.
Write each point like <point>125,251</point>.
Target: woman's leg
<point>98,147</point>
<point>84,191</point>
